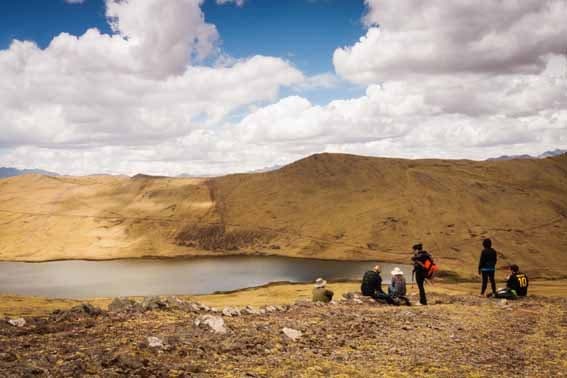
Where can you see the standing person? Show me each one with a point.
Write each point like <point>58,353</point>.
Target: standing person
<point>371,286</point>
<point>320,292</point>
<point>420,257</point>
<point>487,266</point>
<point>397,288</point>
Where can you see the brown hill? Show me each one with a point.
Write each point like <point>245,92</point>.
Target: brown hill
<point>328,206</point>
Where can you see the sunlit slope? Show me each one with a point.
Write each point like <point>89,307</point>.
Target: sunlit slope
<point>325,206</point>
<point>344,206</point>
<point>96,217</point>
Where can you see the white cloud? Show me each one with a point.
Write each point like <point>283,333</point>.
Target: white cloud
<point>237,2</point>
<point>134,87</point>
<point>443,79</point>
<point>439,37</point>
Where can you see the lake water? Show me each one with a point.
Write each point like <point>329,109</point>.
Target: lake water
<point>143,277</point>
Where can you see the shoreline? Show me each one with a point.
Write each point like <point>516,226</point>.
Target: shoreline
<point>268,294</point>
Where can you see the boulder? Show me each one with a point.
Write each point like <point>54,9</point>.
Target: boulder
<point>291,333</point>
<point>249,310</point>
<point>18,322</point>
<point>153,303</point>
<point>231,311</point>
<point>155,342</point>
<point>123,304</point>
<point>270,309</point>
<point>87,309</point>
<point>215,323</point>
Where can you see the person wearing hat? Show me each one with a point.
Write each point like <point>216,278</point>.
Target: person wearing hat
<point>371,286</point>
<point>320,292</point>
<point>397,288</point>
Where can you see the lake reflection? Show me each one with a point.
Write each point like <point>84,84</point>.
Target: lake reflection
<point>142,277</point>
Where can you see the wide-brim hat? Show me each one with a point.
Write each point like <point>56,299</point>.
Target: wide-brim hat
<point>396,271</point>
<point>319,282</point>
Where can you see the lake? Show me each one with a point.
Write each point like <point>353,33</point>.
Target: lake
<point>142,277</point>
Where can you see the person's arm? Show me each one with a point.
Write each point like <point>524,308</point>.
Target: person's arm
<point>481,261</point>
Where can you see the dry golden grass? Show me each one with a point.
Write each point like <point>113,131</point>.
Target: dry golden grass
<point>327,206</point>
<point>11,305</point>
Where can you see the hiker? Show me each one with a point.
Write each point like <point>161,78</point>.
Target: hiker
<point>397,288</point>
<point>320,292</point>
<point>422,260</point>
<point>516,284</point>
<point>487,266</point>
<point>371,286</point>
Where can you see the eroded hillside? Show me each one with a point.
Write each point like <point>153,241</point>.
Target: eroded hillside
<point>325,206</point>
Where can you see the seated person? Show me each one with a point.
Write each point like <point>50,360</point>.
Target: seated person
<point>321,293</point>
<point>397,288</point>
<point>371,286</point>
<point>516,284</point>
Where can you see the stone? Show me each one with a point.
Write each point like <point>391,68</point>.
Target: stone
<point>155,342</point>
<point>349,295</point>
<point>248,310</point>
<point>123,304</point>
<point>231,311</point>
<point>215,323</point>
<point>87,308</point>
<point>194,307</point>
<point>270,309</point>
<point>19,322</point>
<point>291,333</point>
<point>281,308</point>
<point>357,301</point>
<point>153,303</point>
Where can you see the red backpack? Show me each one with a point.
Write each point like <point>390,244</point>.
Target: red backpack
<point>430,267</point>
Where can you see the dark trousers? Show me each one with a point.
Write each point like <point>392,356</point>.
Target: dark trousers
<point>420,280</point>
<point>382,297</point>
<point>486,275</point>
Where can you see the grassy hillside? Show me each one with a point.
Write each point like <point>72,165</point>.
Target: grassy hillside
<point>325,206</point>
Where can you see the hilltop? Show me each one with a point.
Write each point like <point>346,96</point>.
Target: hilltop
<point>329,206</point>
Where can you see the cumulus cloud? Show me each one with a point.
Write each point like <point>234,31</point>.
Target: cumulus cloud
<point>442,79</point>
<point>440,37</point>
<point>136,86</point>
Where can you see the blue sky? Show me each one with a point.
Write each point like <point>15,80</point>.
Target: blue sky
<point>210,88</point>
<point>305,32</point>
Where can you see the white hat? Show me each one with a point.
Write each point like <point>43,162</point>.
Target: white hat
<point>319,282</point>
<point>396,272</point>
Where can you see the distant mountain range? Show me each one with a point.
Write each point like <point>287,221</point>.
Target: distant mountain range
<point>544,155</point>
<point>9,172</point>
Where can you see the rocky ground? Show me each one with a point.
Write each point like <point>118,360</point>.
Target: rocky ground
<point>168,337</point>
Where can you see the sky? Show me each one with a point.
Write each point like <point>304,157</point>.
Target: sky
<point>219,86</point>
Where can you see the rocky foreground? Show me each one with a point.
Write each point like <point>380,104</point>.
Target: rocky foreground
<point>168,337</point>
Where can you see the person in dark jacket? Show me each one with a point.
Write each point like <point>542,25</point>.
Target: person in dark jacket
<point>487,266</point>
<point>371,286</point>
<point>418,259</point>
<point>516,284</point>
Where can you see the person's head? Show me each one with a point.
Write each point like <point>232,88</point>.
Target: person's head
<point>319,282</point>
<point>417,247</point>
<point>377,268</point>
<point>514,268</point>
<point>397,272</point>
<point>487,243</point>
